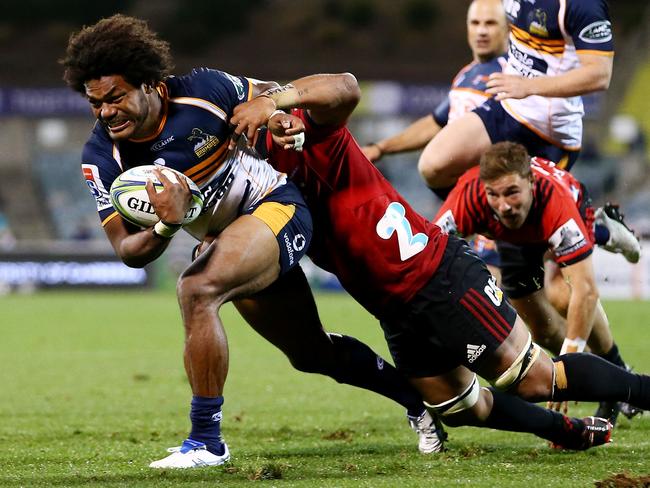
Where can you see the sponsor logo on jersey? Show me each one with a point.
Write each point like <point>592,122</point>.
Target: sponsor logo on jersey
<point>538,25</point>
<point>239,86</point>
<point>474,351</point>
<point>597,32</point>
<point>512,8</point>
<point>447,223</point>
<point>160,144</point>
<point>203,142</point>
<point>567,239</point>
<point>97,188</point>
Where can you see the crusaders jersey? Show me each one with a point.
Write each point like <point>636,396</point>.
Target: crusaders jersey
<point>545,39</point>
<point>193,139</point>
<point>382,251</point>
<point>467,91</point>
<point>554,218</point>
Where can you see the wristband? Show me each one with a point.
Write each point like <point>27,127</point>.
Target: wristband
<point>573,345</point>
<point>276,112</point>
<point>165,230</point>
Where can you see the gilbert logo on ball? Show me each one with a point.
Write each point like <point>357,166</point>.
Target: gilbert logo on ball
<point>130,199</point>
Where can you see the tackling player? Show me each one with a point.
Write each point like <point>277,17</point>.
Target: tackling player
<point>443,317</point>
<point>256,220</point>
<point>538,206</point>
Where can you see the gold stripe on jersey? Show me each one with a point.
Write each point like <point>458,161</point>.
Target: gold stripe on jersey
<point>109,218</point>
<point>595,51</point>
<point>275,215</point>
<point>471,90</point>
<point>204,104</point>
<point>201,172</point>
<point>554,47</point>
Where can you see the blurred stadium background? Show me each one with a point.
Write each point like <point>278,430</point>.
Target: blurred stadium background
<point>404,53</point>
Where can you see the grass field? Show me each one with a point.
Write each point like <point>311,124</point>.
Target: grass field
<point>93,389</point>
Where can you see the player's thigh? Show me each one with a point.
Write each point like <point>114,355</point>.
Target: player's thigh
<point>285,314</point>
<point>243,259</point>
<point>455,148</point>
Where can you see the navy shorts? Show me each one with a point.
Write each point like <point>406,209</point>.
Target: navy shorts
<point>501,126</point>
<point>285,212</point>
<point>460,317</point>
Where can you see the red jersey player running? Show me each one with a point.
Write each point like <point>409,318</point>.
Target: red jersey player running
<point>536,205</point>
<point>443,317</point>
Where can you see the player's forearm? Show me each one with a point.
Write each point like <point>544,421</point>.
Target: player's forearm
<point>328,96</point>
<point>415,136</point>
<point>139,249</point>
<point>580,314</point>
<point>579,81</point>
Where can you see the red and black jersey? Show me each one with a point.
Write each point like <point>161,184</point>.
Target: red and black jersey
<point>555,217</point>
<point>381,250</point>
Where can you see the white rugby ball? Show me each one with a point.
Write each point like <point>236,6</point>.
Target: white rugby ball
<point>130,199</point>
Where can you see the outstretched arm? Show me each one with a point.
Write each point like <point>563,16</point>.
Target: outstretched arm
<point>330,99</point>
<point>415,136</point>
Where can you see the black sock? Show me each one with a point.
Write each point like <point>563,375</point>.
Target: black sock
<point>613,356</point>
<point>511,413</point>
<point>360,366</point>
<point>590,378</point>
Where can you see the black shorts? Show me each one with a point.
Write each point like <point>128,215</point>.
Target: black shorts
<point>459,317</point>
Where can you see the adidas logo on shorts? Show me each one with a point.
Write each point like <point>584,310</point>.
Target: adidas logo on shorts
<point>473,352</point>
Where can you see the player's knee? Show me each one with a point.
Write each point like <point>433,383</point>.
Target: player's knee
<point>430,170</point>
<point>464,409</point>
<point>537,385</point>
<point>198,291</point>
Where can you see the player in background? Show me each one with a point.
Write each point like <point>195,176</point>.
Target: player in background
<point>443,317</point>
<point>256,220</point>
<point>487,37</point>
<point>558,50</point>
<point>542,208</point>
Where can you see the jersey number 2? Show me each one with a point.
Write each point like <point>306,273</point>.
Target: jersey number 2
<point>394,221</point>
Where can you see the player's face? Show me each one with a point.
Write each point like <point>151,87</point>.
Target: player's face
<point>511,197</point>
<point>486,29</point>
<point>123,109</point>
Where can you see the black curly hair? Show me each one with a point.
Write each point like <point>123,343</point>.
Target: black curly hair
<point>118,45</point>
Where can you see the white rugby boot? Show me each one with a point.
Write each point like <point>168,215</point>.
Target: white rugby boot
<point>191,454</point>
<point>621,238</point>
<point>431,434</point>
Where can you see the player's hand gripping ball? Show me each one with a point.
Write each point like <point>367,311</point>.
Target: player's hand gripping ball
<point>130,199</point>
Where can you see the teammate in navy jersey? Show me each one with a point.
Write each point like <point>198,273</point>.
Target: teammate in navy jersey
<point>487,37</point>
<point>443,316</point>
<point>558,50</point>
<point>533,203</point>
<point>256,221</point>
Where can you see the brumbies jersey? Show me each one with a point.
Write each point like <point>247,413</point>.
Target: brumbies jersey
<point>545,37</point>
<point>193,139</point>
<point>467,90</point>
<point>554,220</point>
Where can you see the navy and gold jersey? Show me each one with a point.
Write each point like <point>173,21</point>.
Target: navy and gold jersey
<point>467,90</point>
<point>192,138</point>
<point>546,37</point>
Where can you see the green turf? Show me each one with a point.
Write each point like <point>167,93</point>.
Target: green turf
<point>93,389</point>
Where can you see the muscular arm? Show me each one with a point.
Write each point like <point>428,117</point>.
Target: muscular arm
<point>415,136</point>
<point>583,300</point>
<point>593,74</point>
<point>136,248</point>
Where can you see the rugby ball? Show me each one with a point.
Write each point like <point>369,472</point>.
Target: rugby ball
<point>129,196</point>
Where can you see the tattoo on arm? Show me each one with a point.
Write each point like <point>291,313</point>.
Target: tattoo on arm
<point>279,89</point>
